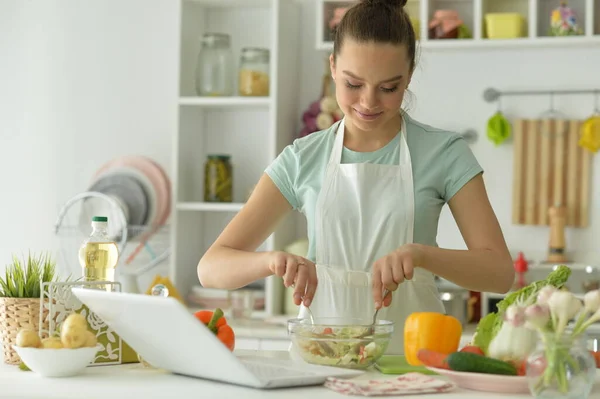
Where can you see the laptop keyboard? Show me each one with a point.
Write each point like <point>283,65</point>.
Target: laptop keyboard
<point>271,371</point>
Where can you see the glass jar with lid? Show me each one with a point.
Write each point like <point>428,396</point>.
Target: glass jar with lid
<point>214,68</point>
<point>254,71</point>
<point>218,178</point>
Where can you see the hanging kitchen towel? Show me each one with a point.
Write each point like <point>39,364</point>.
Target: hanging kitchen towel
<point>407,384</point>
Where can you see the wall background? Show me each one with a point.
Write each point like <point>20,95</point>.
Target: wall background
<point>82,83</point>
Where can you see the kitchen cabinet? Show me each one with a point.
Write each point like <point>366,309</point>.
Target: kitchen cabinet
<point>274,344</point>
<point>532,23</point>
<point>262,344</point>
<point>247,343</point>
<point>251,130</point>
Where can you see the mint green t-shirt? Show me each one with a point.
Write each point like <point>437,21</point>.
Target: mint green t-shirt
<point>442,163</point>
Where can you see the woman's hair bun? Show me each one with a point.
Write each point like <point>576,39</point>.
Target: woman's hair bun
<point>390,3</point>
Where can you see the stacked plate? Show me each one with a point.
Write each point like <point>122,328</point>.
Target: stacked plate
<point>139,186</point>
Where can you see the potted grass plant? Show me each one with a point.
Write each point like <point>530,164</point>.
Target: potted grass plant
<point>20,291</point>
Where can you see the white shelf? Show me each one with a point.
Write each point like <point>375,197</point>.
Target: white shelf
<point>219,102</point>
<point>230,3</point>
<point>210,206</point>
<point>536,13</point>
<point>252,130</point>
<point>498,43</point>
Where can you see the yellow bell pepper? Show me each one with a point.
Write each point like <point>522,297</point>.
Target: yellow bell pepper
<point>430,330</point>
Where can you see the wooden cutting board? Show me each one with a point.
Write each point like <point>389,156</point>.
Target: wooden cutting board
<point>550,168</point>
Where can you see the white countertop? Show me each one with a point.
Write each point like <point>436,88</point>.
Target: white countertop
<point>134,381</point>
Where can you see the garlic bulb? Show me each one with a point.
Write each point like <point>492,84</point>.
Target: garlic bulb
<point>591,301</point>
<point>537,316</point>
<point>515,341</point>
<point>328,105</point>
<point>324,121</point>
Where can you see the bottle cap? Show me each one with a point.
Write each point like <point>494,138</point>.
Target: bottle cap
<point>521,263</point>
<point>99,219</point>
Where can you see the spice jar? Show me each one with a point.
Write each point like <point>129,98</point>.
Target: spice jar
<point>214,68</point>
<point>254,72</point>
<point>218,178</point>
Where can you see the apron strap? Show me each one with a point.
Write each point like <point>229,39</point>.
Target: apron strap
<point>335,158</point>
<point>338,144</point>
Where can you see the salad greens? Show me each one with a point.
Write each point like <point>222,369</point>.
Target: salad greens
<point>345,347</point>
<point>489,325</point>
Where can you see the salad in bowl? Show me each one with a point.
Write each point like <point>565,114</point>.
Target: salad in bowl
<point>347,343</point>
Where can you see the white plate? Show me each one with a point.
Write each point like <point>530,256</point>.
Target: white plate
<point>146,184</point>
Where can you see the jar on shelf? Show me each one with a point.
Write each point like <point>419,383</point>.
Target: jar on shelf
<point>218,179</point>
<point>254,72</point>
<point>215,67</point>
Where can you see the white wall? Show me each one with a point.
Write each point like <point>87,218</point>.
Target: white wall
<point>448,87</point>
<point>81,83</point>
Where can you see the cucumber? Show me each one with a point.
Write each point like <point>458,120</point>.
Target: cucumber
<point>475,363</point>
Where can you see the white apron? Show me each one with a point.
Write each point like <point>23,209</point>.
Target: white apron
<point>364,212</point>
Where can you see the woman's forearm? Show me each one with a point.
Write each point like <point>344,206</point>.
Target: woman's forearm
<point>228,268</point>
<point>481,270</point>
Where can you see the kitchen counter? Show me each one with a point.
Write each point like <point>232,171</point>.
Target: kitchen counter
<point>133,380</point>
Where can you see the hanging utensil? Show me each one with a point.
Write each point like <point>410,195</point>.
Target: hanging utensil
<point>590,129</point>
<point>498,127</point>
<point>553,114</point>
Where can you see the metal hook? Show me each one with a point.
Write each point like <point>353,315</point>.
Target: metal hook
<point>552,112</point>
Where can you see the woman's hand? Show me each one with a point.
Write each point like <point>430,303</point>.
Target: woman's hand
<point>296,271</point>
<point>391,270</point>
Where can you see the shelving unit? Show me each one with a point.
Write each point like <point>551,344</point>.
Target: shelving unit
<point>252,130</point>
<point>536,14</point>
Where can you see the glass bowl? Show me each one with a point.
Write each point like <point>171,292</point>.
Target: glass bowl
<point>340,342</point>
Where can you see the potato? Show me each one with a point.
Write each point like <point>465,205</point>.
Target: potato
<point>52,343</point>
<point>75,319</point>
<point>90,339</point>
<point>73,336</point>
<point>27,338</point>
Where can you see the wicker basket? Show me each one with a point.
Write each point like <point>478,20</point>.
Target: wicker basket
<point>15,314</point>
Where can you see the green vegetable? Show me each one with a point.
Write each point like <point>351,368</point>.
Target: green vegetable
<point>489,325</point>
<point>475,363</point>
<point>23,366</point>
<point>498,128</point>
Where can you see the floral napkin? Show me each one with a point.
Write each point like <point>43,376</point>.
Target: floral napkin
<point>406,384</point>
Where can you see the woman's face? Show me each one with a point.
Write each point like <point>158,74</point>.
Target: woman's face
<point>370,81</point>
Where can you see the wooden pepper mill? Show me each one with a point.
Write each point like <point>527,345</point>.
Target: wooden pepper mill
<point>556,250</point>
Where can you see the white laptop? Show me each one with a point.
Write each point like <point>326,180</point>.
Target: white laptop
<point>168,336</point>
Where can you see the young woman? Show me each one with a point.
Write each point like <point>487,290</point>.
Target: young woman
<point>371,187</point>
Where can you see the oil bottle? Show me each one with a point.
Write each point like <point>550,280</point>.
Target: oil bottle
<point>99,254</point>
